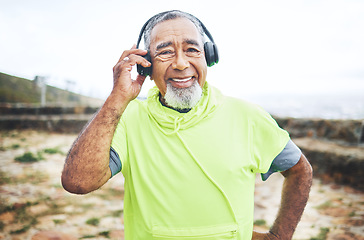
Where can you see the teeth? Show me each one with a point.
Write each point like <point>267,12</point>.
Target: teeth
<point>181,80</point>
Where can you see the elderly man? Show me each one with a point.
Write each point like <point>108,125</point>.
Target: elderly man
<point>189,155</point>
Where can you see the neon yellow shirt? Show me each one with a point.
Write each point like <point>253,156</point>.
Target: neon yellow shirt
<point>192,175</point>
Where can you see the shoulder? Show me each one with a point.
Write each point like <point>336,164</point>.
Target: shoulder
<point>247,111</point>
<point>243,106</point>
<point>135,107</point>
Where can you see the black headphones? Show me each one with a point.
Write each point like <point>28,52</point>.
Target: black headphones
<point>210,48</point>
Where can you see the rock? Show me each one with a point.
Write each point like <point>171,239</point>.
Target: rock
<point>350,132</point>
<point>52,235</point>
<point>333,162</point>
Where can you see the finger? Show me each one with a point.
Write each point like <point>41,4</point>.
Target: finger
<point>140,80</point>
<point>133,59</point>
<point>135,51</point>
<point>126,53</point>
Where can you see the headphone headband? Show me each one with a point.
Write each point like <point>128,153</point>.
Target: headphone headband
<point>208,34</point>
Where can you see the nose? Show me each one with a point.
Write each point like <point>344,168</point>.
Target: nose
<point>180,62</point>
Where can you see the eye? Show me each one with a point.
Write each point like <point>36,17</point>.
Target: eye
<point>192,50</point>
<point>166,52</point>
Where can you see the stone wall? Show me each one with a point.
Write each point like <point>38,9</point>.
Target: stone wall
<point>14,109</point>
<point>335,148</point>
<point>346,132</point>
<point>58,119</point>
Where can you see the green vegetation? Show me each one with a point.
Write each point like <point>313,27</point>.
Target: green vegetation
<point>25,218</point>
<point>260,222</point>
<point>322,235</point>
<point>88,236</point>
<point>28,157</point>
<point>12,147</point>
<point>53,151</point>
<point>15,146</point>
<point>352,214</point>
<point>105,234</point>
<point>58,221</point>
<point>14,89</point>
<point>22,216</point>
<point>87,206</point>
<point>25,228</point>
<point>20,90</point>
<point>117,213</point>
<point>4,178</point>
<point>325,205</point>
<point>93,221</point>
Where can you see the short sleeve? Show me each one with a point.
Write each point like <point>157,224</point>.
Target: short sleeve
<point>286,159</point>
<point>114,162</point>
<point>268,140</point>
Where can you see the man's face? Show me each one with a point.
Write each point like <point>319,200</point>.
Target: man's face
<point>177,55</point>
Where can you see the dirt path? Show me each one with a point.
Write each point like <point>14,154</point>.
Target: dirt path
<point>32,199</point>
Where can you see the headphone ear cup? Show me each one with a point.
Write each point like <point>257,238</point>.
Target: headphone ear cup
<point>145,71</point>
<point>211,53</point>
<point>216,59</point>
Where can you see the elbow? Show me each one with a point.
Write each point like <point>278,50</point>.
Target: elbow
<point>73,186</point>
<point>305,175</point>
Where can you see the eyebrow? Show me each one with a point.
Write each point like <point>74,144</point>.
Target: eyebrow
<point>192,42</point>
<point>166,44</point>
<point>163,45</point>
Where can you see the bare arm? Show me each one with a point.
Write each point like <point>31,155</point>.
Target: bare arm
<point>87,164</point>
<point>295,193</point>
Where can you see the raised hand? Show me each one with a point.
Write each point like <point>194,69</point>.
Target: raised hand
<point>123,83</point>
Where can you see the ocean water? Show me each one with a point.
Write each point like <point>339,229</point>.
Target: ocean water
<point>341,106</point>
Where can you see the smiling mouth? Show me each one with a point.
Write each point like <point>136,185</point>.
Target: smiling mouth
<point>181,79</point>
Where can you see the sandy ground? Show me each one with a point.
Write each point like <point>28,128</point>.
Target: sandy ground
<point>32,199</point>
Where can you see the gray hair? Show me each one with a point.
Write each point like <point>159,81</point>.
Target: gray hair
<point>165,16</point>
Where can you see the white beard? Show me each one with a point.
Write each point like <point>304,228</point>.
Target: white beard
<point>183,98</point>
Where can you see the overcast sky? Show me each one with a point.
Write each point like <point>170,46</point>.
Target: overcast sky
<point>265,46</point>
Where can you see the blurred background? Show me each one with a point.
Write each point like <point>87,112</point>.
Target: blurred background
<point>281,53</point>
<point>300,60</point>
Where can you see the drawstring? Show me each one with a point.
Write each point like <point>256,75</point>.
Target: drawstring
<point>209,177</point>
<point>177,125</point>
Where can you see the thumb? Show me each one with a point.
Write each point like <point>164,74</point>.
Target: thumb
<point>140,80</point>
<point>138,83</point>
